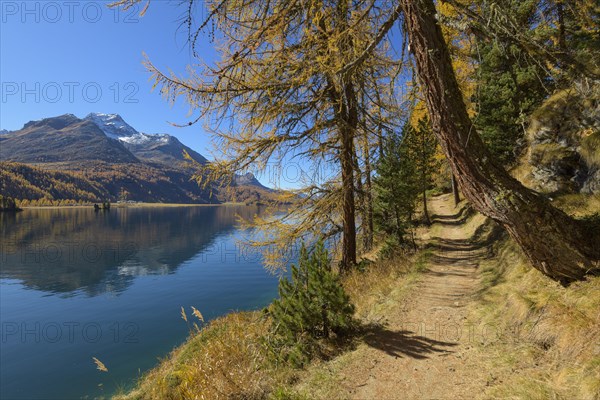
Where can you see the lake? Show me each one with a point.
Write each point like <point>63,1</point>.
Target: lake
<point>76,284</point>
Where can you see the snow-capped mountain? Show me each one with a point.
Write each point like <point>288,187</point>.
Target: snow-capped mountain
<point>116,128</point>
<point>115,157</point>
<point>112,125</point>
<point>157,148</point>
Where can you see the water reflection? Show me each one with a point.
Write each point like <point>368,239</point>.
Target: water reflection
<point>112,285</point>
<point>68,251</point>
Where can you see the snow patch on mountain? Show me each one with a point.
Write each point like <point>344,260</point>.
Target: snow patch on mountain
<point>115,127</point>
<point>112,125</point>
<point>143,138</point>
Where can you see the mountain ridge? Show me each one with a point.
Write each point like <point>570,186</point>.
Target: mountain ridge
<point>108,152</point>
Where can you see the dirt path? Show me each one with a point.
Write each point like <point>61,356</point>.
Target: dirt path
<point>425,350</point>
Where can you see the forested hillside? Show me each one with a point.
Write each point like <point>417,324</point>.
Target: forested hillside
<point>98,182</point>
<point>67,160</point>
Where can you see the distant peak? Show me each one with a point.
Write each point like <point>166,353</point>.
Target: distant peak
<point>112,125</point>
<point>58,122</point>
<point>104,116</point>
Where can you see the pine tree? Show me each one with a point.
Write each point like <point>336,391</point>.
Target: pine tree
<point>311,306</point>
<point>396,187</point>
<point>510,87</point>
<point>421,146</point>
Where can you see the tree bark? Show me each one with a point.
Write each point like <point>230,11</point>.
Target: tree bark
<point>552,241</point>
<point>348,123</point>
<point>368,234</point>
<point>349,220</point>
<point>424,169</point>
<point>425,211</point>
<point>455,192</point>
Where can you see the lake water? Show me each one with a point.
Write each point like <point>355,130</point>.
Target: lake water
<point>75,284</point>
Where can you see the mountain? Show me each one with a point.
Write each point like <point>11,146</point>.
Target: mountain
<point>62,139</point>
<point>159,149</point>
<point>249,179</point>
<point>101,157</point>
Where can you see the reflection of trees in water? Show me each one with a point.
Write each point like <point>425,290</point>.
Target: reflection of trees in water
<point>65,250</point>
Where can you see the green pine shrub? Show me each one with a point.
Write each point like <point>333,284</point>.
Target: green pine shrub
<point>313,307</point>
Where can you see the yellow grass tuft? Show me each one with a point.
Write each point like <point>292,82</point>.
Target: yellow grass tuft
<point>197,314</point>
<point>99,365</point>
<point>183,314</point>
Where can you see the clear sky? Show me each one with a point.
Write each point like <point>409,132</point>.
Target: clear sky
<point>78,57</point>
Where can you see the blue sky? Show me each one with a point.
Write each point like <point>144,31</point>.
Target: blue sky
<point>55,55</point>
<point>77,57</point>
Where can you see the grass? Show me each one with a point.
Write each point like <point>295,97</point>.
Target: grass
<point>548,343</point>
<point>545,344</point>
<point>590,148</point>
<point>578,205</point>
<point>229,358</point>
<point>383,283</point>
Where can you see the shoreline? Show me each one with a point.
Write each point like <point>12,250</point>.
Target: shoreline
<point>139,205</point>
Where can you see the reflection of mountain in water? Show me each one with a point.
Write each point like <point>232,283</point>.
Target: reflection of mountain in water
<point>67,250</point>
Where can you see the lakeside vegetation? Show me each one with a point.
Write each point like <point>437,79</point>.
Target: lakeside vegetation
<point>542,344</point>
<point>455,176</point>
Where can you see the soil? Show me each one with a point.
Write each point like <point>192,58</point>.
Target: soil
<point>425,350</point>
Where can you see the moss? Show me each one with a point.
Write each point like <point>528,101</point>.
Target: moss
<point>547,153</point>
<point>590,148</point>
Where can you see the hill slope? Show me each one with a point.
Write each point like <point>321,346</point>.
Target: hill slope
<point>101,157</point>
<point>465,318</point>
<point>62,139</point>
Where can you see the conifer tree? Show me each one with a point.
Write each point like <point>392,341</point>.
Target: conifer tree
<point>420,147</point>
<point>311,306</point>
<point>396,187</point>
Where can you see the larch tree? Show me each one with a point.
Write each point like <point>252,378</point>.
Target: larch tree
<point>555,243</point>
<point>289,83</point>
<point>290,75</point>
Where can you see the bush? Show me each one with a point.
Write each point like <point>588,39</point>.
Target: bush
<point>312,306</point>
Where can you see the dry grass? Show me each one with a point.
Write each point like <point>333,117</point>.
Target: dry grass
<point>590,148</point>
<point>382,284</point>
<point>226,360</point>
<point>578,205</point>
<point>229,358</point>
<point>547,341</point>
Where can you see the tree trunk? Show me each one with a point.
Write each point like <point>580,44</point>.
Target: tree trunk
<point>455,191</point>
<point>552,241</point>
<point>361,207</point>
<point>424,167</point>
<point>348,123</point>
<point>368,223</point>
<point>349,221</point>
<point>425,211</point>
